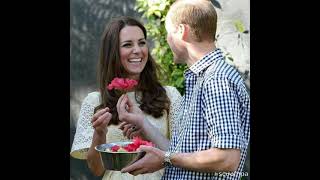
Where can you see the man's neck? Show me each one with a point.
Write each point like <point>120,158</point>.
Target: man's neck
<point>197,51</point>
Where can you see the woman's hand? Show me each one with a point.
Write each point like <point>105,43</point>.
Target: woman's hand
<point>130,130</point>
<point>100,120</point>
<point>129,113</point>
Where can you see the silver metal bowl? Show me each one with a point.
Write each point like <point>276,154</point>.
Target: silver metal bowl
<point>117,160</point>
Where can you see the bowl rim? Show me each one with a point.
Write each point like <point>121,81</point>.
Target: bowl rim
<point>111,152</point>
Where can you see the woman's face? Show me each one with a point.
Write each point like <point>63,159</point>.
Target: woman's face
<point>133,51</point>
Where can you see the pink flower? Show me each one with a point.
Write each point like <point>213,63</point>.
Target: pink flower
<point>122,84</point>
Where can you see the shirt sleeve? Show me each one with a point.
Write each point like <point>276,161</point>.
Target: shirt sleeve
<point>84,131</point>
<point>222,114</point>
<point>175,101</point>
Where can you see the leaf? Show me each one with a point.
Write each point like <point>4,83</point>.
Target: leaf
<point>230,58</point>
<point>140,10</point>
<point>239,25</point>
<point>158,13</point>
<point>179,82</point>
<point>162,6</point>
<point>149,14</point>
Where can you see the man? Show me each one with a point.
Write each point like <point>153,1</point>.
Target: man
<point>211,133</point>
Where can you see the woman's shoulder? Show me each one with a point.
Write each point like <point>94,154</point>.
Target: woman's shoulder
<point>172,91</point>
<point>93,98</point>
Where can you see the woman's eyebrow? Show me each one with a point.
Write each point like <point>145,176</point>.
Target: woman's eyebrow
<point>141,39</point>
<point>126,41</point>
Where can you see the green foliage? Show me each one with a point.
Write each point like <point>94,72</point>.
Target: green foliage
<point>155,12</point>
<point>239,25</point>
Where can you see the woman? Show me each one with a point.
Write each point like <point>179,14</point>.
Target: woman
<point>124,53</point>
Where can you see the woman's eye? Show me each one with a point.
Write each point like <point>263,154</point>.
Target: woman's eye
<point>126,45</point>
<point>142,43</point>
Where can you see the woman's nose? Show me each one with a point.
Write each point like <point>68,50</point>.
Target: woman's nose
<point>136,49</point>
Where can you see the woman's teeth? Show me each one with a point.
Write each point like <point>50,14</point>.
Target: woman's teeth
<point>135,60</point>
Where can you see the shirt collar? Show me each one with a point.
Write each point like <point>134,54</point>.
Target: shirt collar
<point>198,67</point>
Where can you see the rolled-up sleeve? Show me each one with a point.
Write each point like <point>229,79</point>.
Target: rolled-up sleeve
<point>222,114</point>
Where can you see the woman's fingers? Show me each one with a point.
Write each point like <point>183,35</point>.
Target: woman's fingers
<point>103,119</point>
<point>122,125</point>
<point>106,120</point>
<point>125,129</point>
<point>99,113</point>
<point>130,131</point>
<point>135,133</point>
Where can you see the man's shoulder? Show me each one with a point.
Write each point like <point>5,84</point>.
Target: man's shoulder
<point>225,72</point>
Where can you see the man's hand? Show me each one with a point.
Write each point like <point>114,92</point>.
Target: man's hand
<point>151,162</point>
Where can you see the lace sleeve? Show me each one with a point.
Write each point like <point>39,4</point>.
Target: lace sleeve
<point>175,99</point>
<point>84,132</point>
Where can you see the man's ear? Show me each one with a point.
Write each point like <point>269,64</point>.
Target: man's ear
<point>183,30</point>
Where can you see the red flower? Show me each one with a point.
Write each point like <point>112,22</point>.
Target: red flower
<point>137,142</point>
<point>122,84</point>
<point>115,148</point>
<point>131,147</point>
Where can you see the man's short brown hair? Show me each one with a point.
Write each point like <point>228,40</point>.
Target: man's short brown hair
<point>200,16</point>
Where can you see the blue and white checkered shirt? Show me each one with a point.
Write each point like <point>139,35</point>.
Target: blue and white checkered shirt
<point>220,118</point>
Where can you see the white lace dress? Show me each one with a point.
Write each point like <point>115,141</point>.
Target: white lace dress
<point>84,132</point>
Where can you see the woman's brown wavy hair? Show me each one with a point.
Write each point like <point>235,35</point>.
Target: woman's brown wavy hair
<point>154,99</point>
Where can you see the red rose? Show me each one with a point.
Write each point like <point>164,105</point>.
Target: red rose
<point>122,84</point>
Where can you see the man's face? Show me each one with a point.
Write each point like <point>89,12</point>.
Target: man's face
<point>174,42</point>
